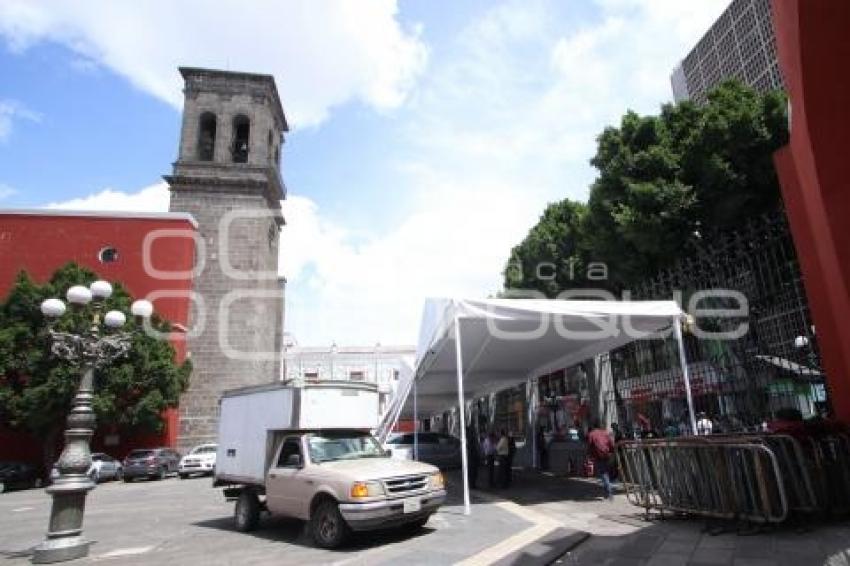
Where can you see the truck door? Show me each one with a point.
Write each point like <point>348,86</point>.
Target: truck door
<point>285,493</point>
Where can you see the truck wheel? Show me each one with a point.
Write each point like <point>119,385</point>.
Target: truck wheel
<point>327,525</point>
<point>246,514</point>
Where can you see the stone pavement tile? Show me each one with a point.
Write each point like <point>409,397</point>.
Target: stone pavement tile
<point>641,545</point>
<point>711,557</point>
<point>725,541</point>
<point>681,546</point>
<point>749,561</point>
<point>623,561</point>
<point>754,547</point>
<point>798,549</point>
<point>668,559</point>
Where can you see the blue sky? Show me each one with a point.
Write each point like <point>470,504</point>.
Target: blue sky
<point>426,137</point>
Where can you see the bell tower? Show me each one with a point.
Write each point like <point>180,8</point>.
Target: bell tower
<point>227,175</point>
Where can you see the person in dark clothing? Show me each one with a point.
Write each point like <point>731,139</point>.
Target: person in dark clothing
<point>490,458</point>
<point>600,447</point>
<point>503,454</point>
<point>509,472</point>
<point>542,449</point>
<point>473,457</point>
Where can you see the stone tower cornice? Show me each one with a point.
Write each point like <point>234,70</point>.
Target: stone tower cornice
<point>234,83</point>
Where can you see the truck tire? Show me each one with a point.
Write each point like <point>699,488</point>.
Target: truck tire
<point>327,526</point>
<point>246,513</point>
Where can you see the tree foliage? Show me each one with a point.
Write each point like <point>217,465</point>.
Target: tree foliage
<point>663,180</point>
<point>36,389</point>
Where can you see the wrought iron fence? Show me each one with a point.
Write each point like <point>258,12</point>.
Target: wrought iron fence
<point>772,371</point>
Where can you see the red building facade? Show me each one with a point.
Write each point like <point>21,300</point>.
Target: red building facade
<point>814,170</point>
<point>151,254</point>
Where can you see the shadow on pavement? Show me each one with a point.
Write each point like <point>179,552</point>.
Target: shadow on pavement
<point>294,531</point>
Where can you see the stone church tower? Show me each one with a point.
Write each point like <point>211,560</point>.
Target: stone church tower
<point>227,175</point>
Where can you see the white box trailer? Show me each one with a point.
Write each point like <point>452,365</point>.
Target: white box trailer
<point>247,416</point>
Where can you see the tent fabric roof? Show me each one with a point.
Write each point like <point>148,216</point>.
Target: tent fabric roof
<point>506,341</point>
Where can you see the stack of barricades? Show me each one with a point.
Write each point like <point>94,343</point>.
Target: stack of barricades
<point>758,478</point>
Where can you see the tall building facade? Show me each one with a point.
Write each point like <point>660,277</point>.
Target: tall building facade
<point>227,176</point>
<point>378,365</point>
<point>741,44</point>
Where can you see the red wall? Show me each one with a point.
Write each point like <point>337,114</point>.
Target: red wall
<point>814,169</point>
<point>40,242</point>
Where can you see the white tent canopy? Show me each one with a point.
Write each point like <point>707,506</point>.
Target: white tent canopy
<point>504,342</point>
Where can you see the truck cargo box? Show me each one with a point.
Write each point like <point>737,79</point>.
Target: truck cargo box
<point>248,414</point>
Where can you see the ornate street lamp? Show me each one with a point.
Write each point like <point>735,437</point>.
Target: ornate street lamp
<point>88,349</point>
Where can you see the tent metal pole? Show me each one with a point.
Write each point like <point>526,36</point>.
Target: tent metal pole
<point>460,398</point>
<point>415,423</point>
<point>677,329</point>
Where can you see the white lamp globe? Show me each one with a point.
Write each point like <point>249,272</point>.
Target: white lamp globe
<point>101,289</point>
<point>79,295</point>
<point>142,308</point>
<point>52,308</point>
<point>114,319</point>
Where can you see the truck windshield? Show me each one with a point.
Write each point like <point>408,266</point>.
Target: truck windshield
<point>343,445</point>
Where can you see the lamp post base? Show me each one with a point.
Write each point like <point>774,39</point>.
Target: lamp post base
<point>61,549</point>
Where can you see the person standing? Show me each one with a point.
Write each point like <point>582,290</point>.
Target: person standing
<point>490,458</point>
<point>473,457</point>
<point>600,447</point>
<point>704,425</point>
<point>503,450</point>
<point>511,453</point>
<point>542,449</point>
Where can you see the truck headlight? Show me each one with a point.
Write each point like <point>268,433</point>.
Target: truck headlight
<point>437,481</point>
<point>362,489</point>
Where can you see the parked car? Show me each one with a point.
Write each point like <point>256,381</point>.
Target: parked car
<point>201,460</point>
<point>151,463</point>
<point>103,467</point>
<point>19,475</point>
<point>435,448</point>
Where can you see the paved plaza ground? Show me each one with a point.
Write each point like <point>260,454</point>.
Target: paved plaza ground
<point>540,519</point>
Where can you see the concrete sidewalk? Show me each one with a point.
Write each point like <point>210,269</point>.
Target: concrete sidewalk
<point>621,535</point>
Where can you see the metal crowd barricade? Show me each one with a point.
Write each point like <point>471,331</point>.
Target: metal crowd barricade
<point>727,480</point>
<point>828,461</point>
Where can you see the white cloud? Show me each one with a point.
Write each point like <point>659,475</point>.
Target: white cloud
<point>6,191</point>
<point>503,124</point>
<point>323,52</point>
<point>149,199</point>
<point>11,110</point>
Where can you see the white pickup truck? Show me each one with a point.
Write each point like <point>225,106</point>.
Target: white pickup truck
<point>306,452</point>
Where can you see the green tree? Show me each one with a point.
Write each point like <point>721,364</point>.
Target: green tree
<point>664,180</point>
<point>36,389</point>
<point>550,259</point>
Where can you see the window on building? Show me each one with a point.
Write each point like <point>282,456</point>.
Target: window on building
<point>107,255</point>
<point>241,139</point>
<point>206,137</point>
<point>357,376</point>
<point>311,375</point>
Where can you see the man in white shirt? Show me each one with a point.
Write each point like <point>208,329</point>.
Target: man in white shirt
<point>704,425</point>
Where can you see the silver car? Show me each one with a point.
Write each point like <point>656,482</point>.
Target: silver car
<point>438,449</point>
<point>103,467</point>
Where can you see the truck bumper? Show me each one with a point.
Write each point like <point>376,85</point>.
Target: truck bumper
<point>380,514</point>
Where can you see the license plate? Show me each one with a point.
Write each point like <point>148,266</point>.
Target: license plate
<point>412,505</point>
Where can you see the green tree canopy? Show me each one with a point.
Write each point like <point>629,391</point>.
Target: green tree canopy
<point>36,389</point>
<point>662,181</point>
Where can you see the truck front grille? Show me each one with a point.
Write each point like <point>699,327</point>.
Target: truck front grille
<point>405,484</point>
